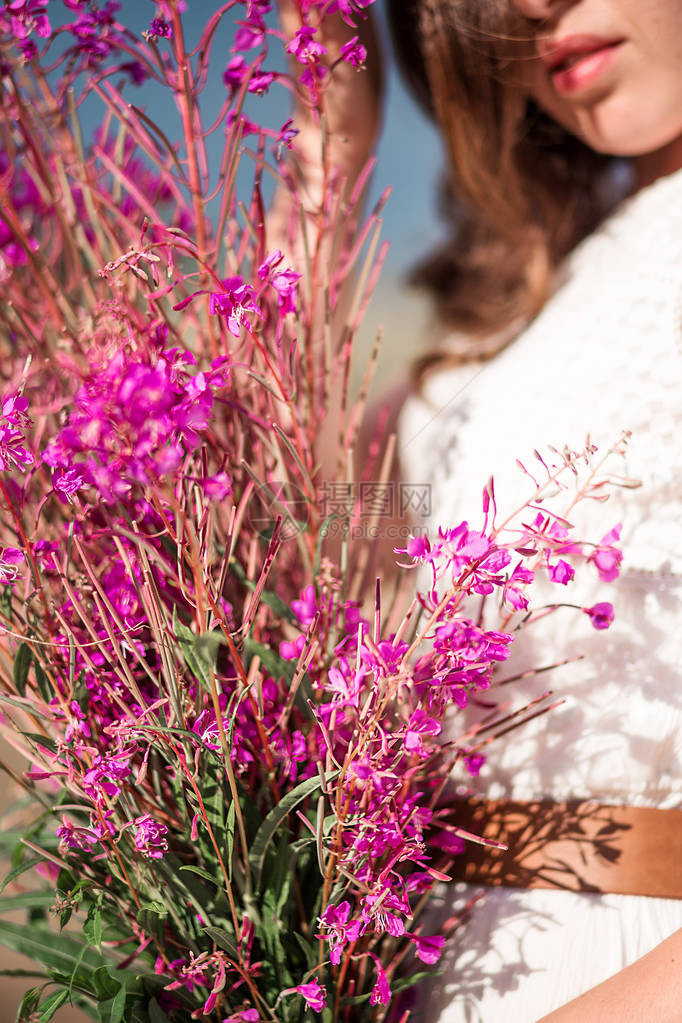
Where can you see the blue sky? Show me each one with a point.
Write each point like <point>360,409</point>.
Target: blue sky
<point>409,159</point>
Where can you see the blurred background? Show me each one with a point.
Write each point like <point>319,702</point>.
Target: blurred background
<point>409,160</point>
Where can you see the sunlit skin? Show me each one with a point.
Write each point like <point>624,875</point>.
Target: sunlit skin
<point>632,108</point>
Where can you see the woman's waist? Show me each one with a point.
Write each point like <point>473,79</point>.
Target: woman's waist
<point>578,845</point>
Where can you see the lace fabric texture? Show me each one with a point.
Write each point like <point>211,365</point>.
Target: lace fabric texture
<point>603,356</point>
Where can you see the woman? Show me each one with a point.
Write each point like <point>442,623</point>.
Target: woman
<point>564,284</point>
<point>562,120</point>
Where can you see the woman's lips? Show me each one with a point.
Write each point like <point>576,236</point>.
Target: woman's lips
<point>586,69</point>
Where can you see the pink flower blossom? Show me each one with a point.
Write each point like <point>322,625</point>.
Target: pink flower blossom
<point>473,763</point>
<point>354,53</point>
<point>247,36</point>
<point>287,134</point>
<point>68,481</point>
<point>381,992</point>
<point>428,949</point>
<point>150,838</point>
<point>607,557</point>
<point>601,615</point>
<point>348,9</point>
<point>304,47</point>
<point>514,596</point>
<point>341,929</point>
<point>160,28</point>
<point>13,453</point>
<point>284,282</point>
<point>10,559</point>
<point>72,837</point>
<point>420,725</point>
<point>314,994</point>
<point>233,302</point>
<point>561,572</point>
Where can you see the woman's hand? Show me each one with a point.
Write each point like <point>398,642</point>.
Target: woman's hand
<point>352,97</point>
<point>648,991</point>
<point>352,101</point>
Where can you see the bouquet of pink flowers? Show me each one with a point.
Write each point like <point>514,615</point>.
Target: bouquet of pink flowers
<point>235,748</point>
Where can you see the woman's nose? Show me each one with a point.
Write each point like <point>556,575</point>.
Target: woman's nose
<point>542,9</point>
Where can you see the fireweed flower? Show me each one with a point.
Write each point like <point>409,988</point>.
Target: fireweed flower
<point>24,17</point>
<point>102,779</point>
<point>236,299</point>
<point>150,837</point>
<point>607,557</point>
<point>348,9</point>
<point>72,837</point>
<point>249,34</point>
<point>601,615</point>
<point>314,994</point>
<point>287,134</point>
<point>159,27</point>
<point>512,595</point>
<point>381,992</point>
<point>341,930</point>
<point>14,409</point>
<point>13,453</point>
<point>68,482</point>
<point>561,572</point>
<point>284,282</point>
<point>13,419</point>
<point>10,560</point>
<point>304,47</point>
<point>354,53</point>
<point>95,33</point>
<point>428,949</point>
<point>132,422</point>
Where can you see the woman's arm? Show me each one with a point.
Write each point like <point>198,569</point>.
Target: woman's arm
<point>353,103</point>
<point>648,991</point>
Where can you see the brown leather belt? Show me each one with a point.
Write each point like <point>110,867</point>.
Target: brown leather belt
<point>576,845</point>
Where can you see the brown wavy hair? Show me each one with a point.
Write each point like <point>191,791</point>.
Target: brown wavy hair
<point>520,191</point>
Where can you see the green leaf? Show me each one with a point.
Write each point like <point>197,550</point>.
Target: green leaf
<point>92,927</point>
<point>113,1009</point>
<point>224,939</point>
<point>41,740</point>
<point>19,870</point>
<point>42,681</point>
<point>35,712</point>
<point>21,973</point>
<point>106,986</point>
<point>275,603</point>
<point>156,1013</point>
<point>274,819</point>
<point>29,1003</point>
<point>202,873</point>
<point>229,838</point>
<point>48,1008</point>
<point>275,665</point>
<point>309,952</point>
<point>66,882</point>
<point>200,652</point>
<point>44,946</point>
<point>22,664</point>
<point>29,900</point>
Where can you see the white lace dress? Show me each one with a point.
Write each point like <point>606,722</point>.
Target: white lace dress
<point>604,355</point>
